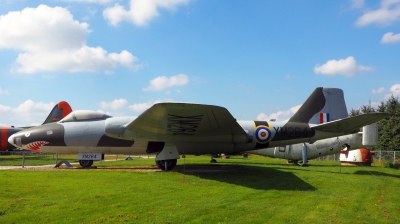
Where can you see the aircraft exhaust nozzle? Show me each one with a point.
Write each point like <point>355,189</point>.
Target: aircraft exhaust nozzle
<point>370,135</point>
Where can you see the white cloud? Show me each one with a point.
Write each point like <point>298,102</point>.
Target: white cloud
<point>140,11</point>
<point>28,109</point>
<point>41,28</point>
<point>3,92</point>
<point>137,107</point>
<point>388,13</point>
<point>28,112</point>
<point>379,90</point>
<point>141,106</point>
<point>347,67</point>
<point>109,72</point>
<point>163,82</point>
<point>51,40</point>
<point>394,90</point>
<point>4,109</point>
<point>390,38</point>
<point>357,3</point>
<point>280,115</point>
<point>84,59</point>
<point>90,1</point>
<point>375,104</point>
<point>115,105</point>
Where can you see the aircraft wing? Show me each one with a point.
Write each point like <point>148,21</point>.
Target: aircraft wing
<point>350,124</point>
<point>185,121</point>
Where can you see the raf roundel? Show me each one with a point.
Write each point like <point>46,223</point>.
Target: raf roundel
<point>263,134</point>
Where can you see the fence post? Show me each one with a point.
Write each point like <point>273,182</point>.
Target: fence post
<point>380,155</point>
<point>23,159</point>
<point>394,157</point>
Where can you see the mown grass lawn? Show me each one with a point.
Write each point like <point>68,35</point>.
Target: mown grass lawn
<point>236,190</point>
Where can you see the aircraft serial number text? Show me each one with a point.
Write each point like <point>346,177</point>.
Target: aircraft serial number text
<point>89,156</point>
<point>292,132</point>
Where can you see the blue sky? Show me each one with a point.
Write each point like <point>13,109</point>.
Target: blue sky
<point>259,59</point>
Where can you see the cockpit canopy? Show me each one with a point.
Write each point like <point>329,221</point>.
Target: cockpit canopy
<point>84,115</point>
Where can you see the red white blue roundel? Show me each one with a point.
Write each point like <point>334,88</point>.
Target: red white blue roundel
<point>263,134</point>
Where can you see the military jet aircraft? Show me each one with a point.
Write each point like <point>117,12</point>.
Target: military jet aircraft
<point>59,111</point>
<point>174,129</point>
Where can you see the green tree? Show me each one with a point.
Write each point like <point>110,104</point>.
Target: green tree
<point>362,110</point>
<point>389,127</point>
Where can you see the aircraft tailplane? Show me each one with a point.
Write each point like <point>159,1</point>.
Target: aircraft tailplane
<point>350,124</point>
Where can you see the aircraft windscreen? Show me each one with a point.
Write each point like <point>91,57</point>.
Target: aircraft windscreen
<point>84,115</point>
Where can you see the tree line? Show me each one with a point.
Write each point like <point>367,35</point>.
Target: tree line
<point>389,127</point>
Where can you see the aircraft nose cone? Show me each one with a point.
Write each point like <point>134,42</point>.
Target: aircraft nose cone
<point>11,140</point>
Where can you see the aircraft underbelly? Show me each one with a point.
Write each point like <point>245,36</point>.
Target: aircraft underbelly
<point>204,148</point>
<point>139,148</point>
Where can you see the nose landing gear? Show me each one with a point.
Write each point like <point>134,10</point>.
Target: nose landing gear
<point>166,164</point>
<point>86,163</point>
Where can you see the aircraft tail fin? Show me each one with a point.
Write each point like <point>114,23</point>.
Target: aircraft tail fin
<point>59,111</point>
<point>323,105</point>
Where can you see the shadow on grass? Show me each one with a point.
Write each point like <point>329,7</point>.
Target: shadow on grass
<point>276,162</point>
<point>260,178</point>
<point>376,173</point>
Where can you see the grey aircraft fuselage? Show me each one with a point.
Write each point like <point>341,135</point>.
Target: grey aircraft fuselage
<point>90,136</point>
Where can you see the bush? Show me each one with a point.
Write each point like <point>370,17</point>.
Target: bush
<point>387,164</point>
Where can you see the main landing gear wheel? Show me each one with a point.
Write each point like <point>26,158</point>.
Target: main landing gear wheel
<point>296,162</point>
<point>166,164</point>
<point>85,163</point>
<point>212,158</point>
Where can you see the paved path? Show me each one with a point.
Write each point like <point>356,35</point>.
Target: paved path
<point>26,167</point>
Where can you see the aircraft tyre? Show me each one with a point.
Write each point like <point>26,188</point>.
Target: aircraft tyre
<point>166,164</point>
<point>296,162</point>
<point>86,163</point>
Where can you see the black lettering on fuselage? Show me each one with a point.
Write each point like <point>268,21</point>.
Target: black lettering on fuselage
<point>286,133</point>
<point>89,156</point>
<point>179,125</point>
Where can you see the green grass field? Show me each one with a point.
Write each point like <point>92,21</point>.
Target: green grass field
<point>235,190</point>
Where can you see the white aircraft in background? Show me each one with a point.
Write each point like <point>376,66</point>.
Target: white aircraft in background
<point>173,129</point>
